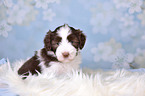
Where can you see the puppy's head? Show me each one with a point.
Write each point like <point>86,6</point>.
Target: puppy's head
<point>65,42</point>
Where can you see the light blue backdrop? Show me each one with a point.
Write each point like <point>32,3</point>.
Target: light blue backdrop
<point>115,29</point>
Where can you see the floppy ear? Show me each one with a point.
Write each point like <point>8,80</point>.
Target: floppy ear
<point>47,40</point>
<point>82,39</point>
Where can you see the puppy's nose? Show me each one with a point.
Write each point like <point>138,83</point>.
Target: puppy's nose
<point>65,54</point>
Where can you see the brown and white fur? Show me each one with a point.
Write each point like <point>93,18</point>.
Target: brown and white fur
<point>61,52</point>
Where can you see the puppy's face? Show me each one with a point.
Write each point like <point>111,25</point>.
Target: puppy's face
<point>65,42</point>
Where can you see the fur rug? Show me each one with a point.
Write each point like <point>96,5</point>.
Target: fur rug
<point>77,83</point>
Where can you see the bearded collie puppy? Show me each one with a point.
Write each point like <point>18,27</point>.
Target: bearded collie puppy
<point>61,52</point>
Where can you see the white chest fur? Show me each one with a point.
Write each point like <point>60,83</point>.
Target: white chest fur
<point>59,68</point>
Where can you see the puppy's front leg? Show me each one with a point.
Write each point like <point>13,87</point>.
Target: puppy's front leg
<point>30,66</point>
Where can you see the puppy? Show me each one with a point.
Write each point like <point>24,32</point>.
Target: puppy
<point>61,52</point>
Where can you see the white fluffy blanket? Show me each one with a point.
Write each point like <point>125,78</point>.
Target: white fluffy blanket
<point>77,83</point>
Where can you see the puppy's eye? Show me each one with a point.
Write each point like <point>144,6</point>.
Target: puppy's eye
<point>57,43</point>
<point>73,42</point>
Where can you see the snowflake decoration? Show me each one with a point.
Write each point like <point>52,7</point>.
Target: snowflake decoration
<point>135,6</point>
<point>122,60</point>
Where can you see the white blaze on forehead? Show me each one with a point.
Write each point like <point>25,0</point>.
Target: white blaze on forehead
<point>65,45</point>
<point>64,32</point>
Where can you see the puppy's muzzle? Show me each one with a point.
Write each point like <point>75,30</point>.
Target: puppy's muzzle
<point>65,54</point>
